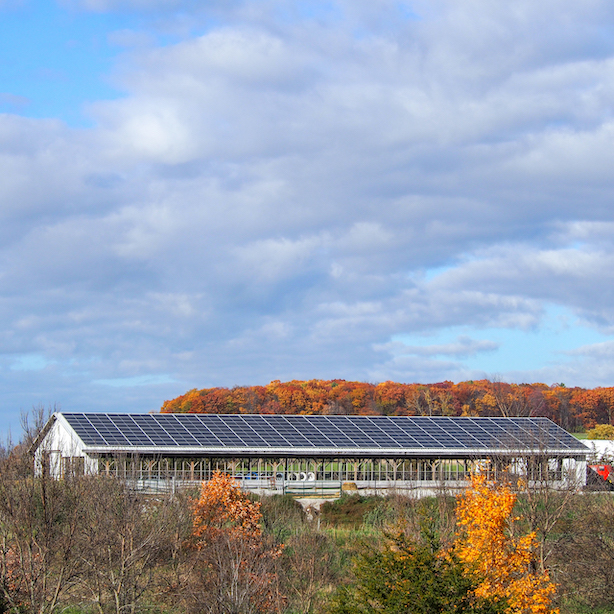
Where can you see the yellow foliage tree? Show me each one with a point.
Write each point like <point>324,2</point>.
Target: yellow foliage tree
<point>506,565</point>
<point>601,431</point>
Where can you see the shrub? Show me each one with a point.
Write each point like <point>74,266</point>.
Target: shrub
<point>601,431</point>
<point>412,576</point>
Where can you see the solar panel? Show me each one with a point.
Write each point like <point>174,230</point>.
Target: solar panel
<point>530,432</point>
<point>318,433</point>
<point>350,430</point>
<point>85,430</point>
<point>456,429</point>
<point>500,432</point>
<point>339,438</point>
<point>547,434</point>
<point>413,429</point>
<point>267,432</point>
<point>127,426</point>
<point>395,432</point>
<point>408,434</point>
<point>560,436</point>
<point>176,429</point>
<point>441,435</point>
<point>376,430</point>
<point>220,428</point>
<point>107,430</point>
<point>481,430</point>
<point>154,430</point>
<point>245,432</point>
<point>285,427</point>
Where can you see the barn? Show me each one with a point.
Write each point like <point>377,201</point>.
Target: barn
<point>308,455</point>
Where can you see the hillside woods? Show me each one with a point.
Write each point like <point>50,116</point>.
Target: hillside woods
<point>575,409</point>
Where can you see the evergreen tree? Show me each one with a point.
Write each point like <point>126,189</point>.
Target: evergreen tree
<point>409,577</point>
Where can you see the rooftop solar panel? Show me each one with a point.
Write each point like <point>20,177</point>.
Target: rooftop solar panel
<point>338,431</point>
<point>437,430</point>
<point>561,437</point>
<point>266,431</point>
<point>414,429</point>
<point>406,434</point>
<point>222,430</point>
<point>107,430</point>
<point>379,435</point>
<point>404,439</point>
<point>85,430</point>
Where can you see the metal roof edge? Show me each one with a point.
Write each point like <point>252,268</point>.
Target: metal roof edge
<point>43,433</point>
<point>302,451</point>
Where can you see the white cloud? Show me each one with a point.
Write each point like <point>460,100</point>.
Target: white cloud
<point>281,194</point>
<point>130,382</point>
<point>598,351</point>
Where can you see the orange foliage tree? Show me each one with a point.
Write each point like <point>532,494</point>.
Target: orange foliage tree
<point>506,565</point>
<point>572,408</point>
<point>236,571</point>
<point>224,508</point>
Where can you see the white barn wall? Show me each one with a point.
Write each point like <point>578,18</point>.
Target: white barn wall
<point>61,442</point>
<point>574,473</point>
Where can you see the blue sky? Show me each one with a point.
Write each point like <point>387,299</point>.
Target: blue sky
<point>55,61</point>
<point>226,193</point>
<point>549,343</point>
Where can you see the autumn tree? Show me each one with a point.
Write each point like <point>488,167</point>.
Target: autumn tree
<point>576,408</point>
<point>601,431</point>
<point>390,396</point>
<point>511,399</point>
<point>505,564</point>
<point>234,567</point>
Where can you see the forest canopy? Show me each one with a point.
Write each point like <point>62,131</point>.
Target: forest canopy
<point>575,409</point>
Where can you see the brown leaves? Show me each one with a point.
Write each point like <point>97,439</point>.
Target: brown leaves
<point>222,506</point>
<point>235,571</point>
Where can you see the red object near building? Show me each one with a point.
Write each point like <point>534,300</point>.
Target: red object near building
<point>605,471</point>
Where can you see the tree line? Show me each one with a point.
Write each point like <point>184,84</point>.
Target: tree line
<point>575,409</point>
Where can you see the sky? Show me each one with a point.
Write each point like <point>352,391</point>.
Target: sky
<point>198,194</point>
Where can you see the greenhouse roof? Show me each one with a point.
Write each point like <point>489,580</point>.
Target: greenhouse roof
<point>334,435</point>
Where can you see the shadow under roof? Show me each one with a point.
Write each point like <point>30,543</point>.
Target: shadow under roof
<point>336,435</point>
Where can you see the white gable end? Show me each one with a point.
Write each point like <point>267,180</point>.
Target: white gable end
<point>61,448</point>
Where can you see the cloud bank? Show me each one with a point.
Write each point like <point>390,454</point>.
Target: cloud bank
<point>285,188</point>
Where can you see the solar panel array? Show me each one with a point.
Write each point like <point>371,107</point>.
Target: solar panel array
<point>262,432</point>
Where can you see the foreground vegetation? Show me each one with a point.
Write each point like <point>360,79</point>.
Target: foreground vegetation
<point>88,545</point>
<point>84,544</point>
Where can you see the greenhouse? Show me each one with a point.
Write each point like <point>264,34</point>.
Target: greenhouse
<point>308,455</point>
